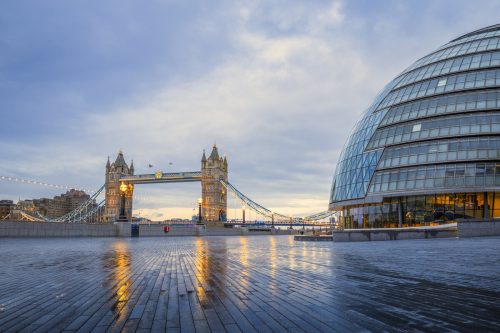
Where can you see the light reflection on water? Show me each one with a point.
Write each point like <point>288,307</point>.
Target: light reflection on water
<point>244,261</point>
<point>210,260</point>
<point>202,265</point>
<point>272,256</point>
<point>291,253</point>
<point>119,260</point>
<point>304,254</point>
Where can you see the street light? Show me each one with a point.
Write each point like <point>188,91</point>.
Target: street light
<point>200,201</point>
<point>123,190</point>
<point>243,207</point>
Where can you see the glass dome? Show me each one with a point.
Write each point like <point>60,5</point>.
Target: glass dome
<point>434,128</point>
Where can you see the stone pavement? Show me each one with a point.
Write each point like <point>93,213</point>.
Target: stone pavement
<point>248,284</point>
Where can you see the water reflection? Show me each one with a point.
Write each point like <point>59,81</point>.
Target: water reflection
<point>211,265</point>
<point>304,254</point>
<point>272,255</point>
<point>119,259</point>
<point>244,262</point>
<point>291,253</point>
<point>273,283</point>
<point>244,251</point>
<point>202,270</point>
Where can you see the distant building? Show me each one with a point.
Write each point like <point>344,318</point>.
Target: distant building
<point>58,206</point>
<point>5,208</point>
<point>62,204</point>
<point>42,205</point>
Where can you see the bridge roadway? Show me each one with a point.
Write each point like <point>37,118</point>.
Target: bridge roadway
<point>243,284</point>
<point>170,177</point>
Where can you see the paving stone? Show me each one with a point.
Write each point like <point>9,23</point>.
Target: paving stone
<point>254,284</point>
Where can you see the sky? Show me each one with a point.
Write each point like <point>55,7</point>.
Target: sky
<point>278,85</point>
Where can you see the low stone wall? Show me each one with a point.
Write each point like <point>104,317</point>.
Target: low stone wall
<point>43,229</point>
<point>478,228</point>
<point>312,238</point>
<point>385,234</point>
<point>155,230</point>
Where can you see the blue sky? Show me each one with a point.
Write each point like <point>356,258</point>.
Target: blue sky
<point>277,84</point>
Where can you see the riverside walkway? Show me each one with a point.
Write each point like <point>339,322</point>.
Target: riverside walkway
<point>248,284</point>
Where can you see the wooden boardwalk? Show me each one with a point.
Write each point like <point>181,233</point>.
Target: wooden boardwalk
<point>248,284</point>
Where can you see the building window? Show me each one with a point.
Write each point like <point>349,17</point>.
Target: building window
<point>442,82</point>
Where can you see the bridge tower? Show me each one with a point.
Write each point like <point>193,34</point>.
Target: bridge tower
<point>213,193</point>
<point>118,199</point>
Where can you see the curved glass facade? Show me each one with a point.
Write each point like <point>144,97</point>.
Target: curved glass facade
<point>428,149</point>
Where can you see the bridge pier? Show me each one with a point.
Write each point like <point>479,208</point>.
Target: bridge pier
<point>118,194</point>
<point>214,197</point>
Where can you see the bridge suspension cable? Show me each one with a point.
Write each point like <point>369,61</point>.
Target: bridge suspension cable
<point>259,209</point>
<point>36,182</point>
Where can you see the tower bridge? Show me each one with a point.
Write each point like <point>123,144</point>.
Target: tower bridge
<point>120,181</point>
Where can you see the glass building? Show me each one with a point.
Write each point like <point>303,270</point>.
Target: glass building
<point>427,151</point>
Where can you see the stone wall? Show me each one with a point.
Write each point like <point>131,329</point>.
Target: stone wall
<point>386,234</point>
<point>146,230</point>
<point>478,228</point>
<point>44,229</point>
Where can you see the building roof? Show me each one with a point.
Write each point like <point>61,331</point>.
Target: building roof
<point>215,153</point>
<point>120,161</point>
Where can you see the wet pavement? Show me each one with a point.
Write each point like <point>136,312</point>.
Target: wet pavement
<point>248,284</point>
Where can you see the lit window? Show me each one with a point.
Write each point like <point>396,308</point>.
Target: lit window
<point>442,82</point>
<point>417,128</point>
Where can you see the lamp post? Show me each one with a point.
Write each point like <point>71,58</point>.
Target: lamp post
<point>243,208</point>
<point>200,201</point>
<point>272,220</point>
<point>123,191</point>
<point>291,219</point>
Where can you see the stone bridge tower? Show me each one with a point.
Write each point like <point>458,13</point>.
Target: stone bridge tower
<point>213,193</point>
<point>118,194</point>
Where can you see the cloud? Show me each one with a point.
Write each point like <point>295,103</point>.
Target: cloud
<point>277,86</point>
<point>270,106</point>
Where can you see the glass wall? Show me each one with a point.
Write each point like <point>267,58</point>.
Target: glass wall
<point>470,124</point>
<point>355,167</point>
<point>470,80</point>
<point>436,176</point>
<point>424,210</point>
<point>463,102</point>
<point>463,48</point>
<point>450,150</point>
<point>483,60</point>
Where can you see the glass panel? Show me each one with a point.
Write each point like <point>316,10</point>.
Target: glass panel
<point>480,122</point>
